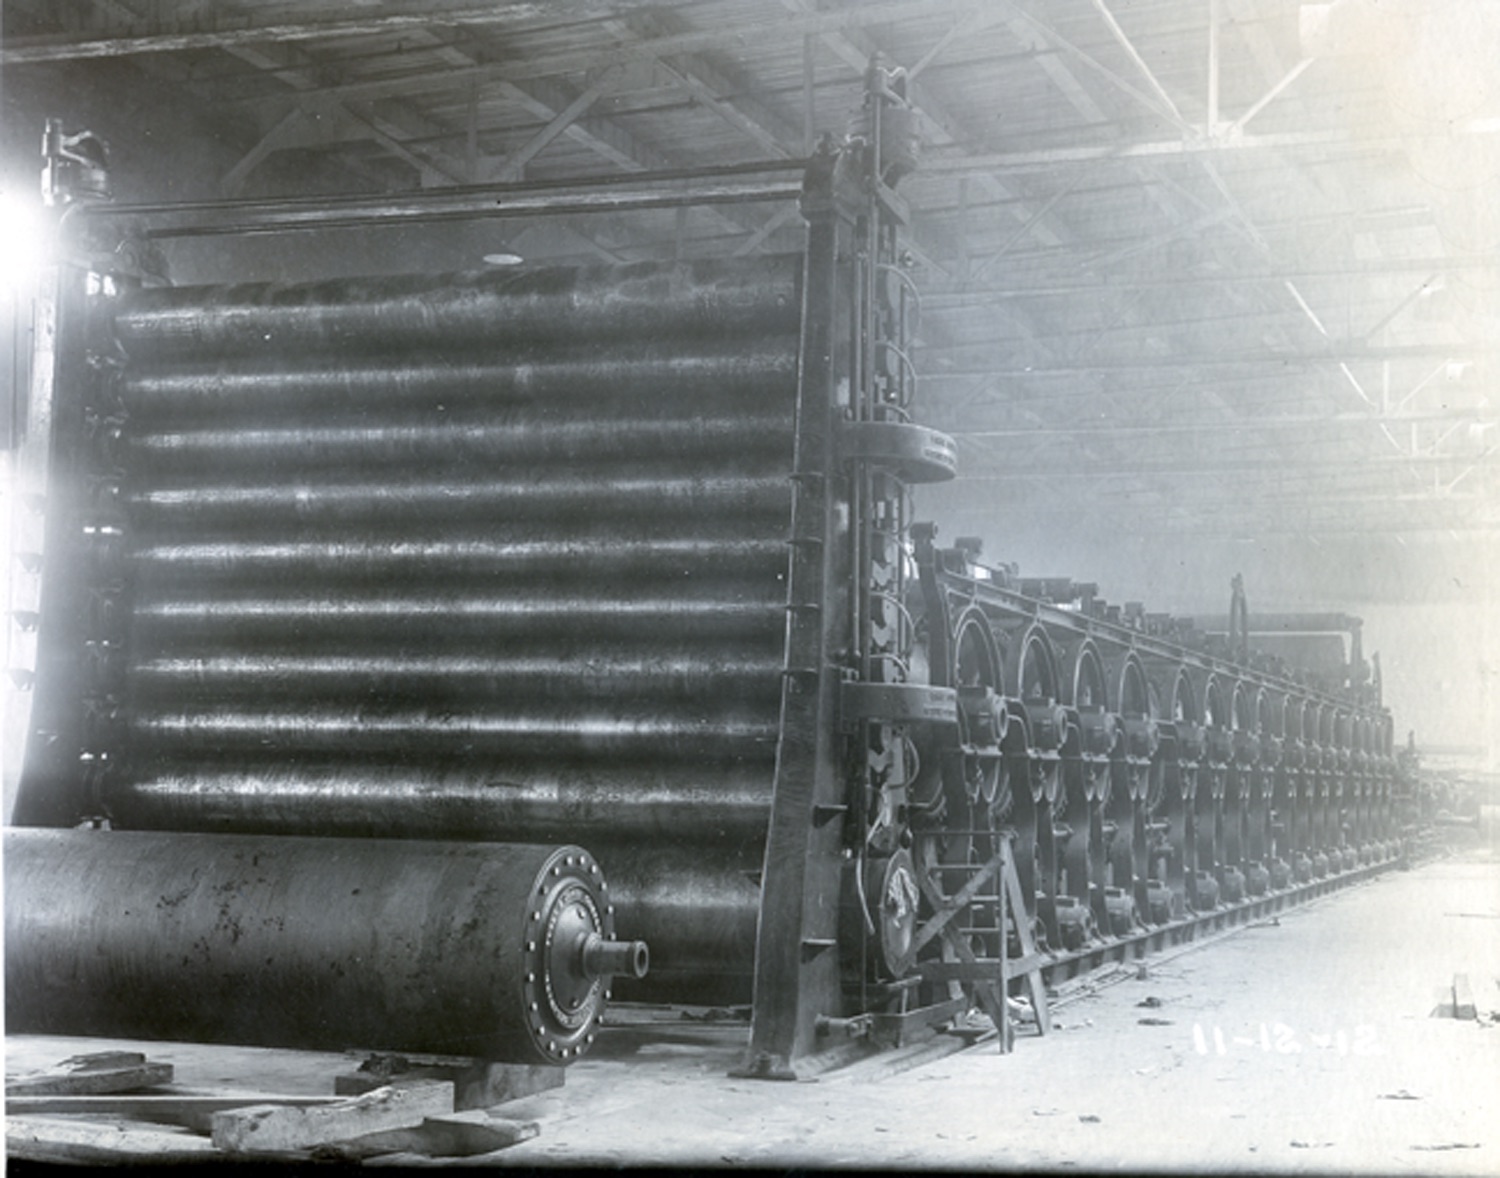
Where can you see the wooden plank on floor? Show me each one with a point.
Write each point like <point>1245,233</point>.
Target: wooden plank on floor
<point>1463,997</point>
<point>45,1139</point>
<point>461,1135</point>
<point>105,1071</point>
<point>189,1110</point>
<point>270,1128</point>
<point>477,1083</point>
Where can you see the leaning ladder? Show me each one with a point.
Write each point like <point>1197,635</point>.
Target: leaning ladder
<point>991,973</point>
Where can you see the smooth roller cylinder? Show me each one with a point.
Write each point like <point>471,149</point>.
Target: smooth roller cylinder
<point>549,501</point>
<point>697,911</point>
<point>605,803</point>
<point>641,300</point>
<point>479,441</point>
<point>499,951</point>
<point>559,382</point>
<point>717,614</point>
<point>357,559</point>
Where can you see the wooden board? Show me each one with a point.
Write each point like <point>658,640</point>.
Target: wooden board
<point>477,1083</point>
<point>461,1135</point>
<point>1463,998</point>
<point>105,1071</point>
<point>270,1128</point>
<point>190,1110</point>
<point>46,1139</point>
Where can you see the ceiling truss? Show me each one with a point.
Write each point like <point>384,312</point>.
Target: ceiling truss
<point>1185,250</point>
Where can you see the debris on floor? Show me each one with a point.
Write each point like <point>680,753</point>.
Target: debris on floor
<point>476,1083</point>
<point>100,1072</point>
<point>278,1128</point>
<point>119,1107</point>
<point>1456,1000</point>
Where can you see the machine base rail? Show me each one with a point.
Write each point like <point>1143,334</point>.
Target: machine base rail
<point>1137,945</point>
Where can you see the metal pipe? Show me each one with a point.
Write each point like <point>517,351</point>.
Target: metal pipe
<point>609,181</point>
<point>546,497</point>
<point>609,803</point>
<point>537,379</point>
<point>752,439</point>
<point>624,729</point>
<point>698,913</point>
<point>478,949</point>
<point>491,310</point>
<point>705,607</point>
<point>750,674</point>
<point>405,213</point>
<point>457,204</point>
<point>715,555</point>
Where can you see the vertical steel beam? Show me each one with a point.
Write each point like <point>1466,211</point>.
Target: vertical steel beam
<point>796,953</point>
<point>55,464</point>
<point>809,94</point>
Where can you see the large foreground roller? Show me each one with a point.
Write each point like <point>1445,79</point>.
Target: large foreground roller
<point>498,951</point>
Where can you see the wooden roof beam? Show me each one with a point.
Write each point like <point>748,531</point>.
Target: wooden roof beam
<point>291,128</point>
<point>1341,352</point>
<point>1278,466</point>
<point>1163,99</point>
<point>550,65</point>
<point>290,65</point>
<point>856,50</point>
<point>167,38</point>
<point>1246,422</point>
<point>552,102</point>
<point>1324,140</point>
<point>720,88</point>
<point>978,295</point>
<point>515,162</point>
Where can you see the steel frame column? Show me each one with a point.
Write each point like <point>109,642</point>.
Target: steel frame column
<point>72,725</point>
<point>796,958</point>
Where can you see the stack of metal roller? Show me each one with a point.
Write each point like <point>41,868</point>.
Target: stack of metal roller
<point>495,556</point>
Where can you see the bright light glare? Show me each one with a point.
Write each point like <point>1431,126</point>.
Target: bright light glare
<point>23,240</point>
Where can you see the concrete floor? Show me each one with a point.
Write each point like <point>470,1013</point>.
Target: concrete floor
<point>1329,1063</point>
<point>1303,1046</point>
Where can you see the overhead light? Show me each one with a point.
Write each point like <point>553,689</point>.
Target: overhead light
<point>503,258</point>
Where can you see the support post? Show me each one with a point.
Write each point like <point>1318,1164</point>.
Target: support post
<point>796,954</point>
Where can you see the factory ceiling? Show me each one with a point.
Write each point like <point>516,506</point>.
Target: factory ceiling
<point>1223,268</point>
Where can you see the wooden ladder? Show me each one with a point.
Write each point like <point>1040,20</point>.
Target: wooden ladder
<point>990,974</point>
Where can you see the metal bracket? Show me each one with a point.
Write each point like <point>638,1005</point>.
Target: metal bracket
<point>914,453</point>
<point>898,703</point>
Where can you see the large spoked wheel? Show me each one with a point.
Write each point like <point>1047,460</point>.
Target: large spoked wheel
<point>982,715</point>
<point>957,836</point>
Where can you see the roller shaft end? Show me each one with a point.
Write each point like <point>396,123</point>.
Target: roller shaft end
<point>605,958</point>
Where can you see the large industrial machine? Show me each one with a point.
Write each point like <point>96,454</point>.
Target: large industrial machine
<point>384,641</point>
